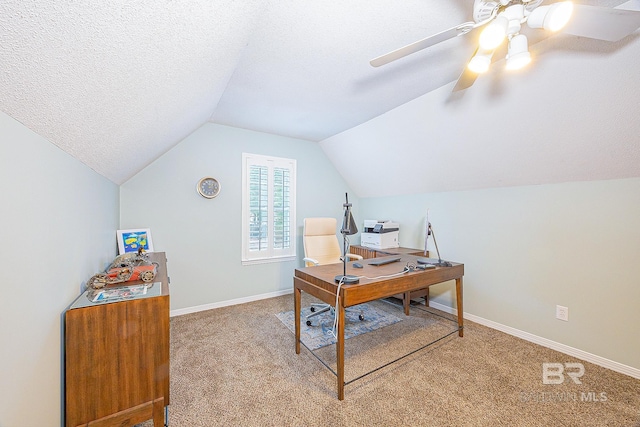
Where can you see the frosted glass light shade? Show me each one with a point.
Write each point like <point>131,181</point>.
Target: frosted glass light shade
<point>553,17</point>
<point>494,33</point>
<point>481,61</point>
<point>518,55</point>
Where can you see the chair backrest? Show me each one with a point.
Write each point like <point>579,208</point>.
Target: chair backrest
<point>320,240</point>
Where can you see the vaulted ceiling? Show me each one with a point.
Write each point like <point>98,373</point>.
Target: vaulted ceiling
<point>117,83</point>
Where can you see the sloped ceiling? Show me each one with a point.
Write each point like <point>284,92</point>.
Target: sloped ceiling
<point>571,117</point>
<point>117,83</point>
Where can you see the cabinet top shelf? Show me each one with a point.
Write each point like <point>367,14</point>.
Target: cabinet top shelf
<point>127,291</point>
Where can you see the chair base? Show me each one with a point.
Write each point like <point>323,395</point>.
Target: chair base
<point>317,309</point>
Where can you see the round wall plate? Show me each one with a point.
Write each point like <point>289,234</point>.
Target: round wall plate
<point>208,187</point>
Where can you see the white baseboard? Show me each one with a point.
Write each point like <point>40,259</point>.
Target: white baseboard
<point>188,310</point>
<point>580,354</point>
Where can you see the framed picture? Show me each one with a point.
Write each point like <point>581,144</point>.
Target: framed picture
<point>132,240</point>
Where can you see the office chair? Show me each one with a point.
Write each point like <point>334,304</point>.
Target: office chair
<point>321,246</point>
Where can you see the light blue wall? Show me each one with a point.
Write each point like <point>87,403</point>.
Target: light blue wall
<point>527,249</point>
<point>202,237</point>
<point>58,228</point>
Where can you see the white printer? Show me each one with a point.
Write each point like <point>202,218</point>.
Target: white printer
<point>379,234</point>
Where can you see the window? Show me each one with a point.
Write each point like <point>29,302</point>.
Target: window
<point>268,209</point>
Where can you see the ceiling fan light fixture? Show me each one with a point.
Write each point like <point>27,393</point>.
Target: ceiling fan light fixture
<point>515,15</point>
<point>494,33</point>
<point>481,61</point>
<point>552,17</point>
<point>518,55</point>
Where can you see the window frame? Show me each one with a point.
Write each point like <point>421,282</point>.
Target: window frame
<point>271,254</point>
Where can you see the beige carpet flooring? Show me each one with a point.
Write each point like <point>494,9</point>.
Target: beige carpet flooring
<point>236,366</point>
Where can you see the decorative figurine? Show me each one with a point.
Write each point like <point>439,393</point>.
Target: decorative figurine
<point>125,268</point>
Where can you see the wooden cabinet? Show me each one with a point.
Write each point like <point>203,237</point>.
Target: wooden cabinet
<point>117,358</point>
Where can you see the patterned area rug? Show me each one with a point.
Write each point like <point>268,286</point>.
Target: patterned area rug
<point>319,333</point>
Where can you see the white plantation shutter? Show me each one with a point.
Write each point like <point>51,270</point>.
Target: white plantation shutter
<point>281,208</point>
<point>268,208</point>
<point>258,207</point>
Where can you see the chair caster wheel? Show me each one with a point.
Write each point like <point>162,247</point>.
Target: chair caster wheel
<point>361,317</point>
<point>308,322</point>
<point>313,309</point>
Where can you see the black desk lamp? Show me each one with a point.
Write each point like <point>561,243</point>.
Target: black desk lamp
<point>348,228</point>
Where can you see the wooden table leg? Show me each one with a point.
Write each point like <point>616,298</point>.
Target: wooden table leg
<point>459,304</point>
<point>426,298</point>
<point>340,349</point>
<point>406,302</point>
<point>297,294</point>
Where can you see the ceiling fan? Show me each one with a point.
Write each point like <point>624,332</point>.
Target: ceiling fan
<point>502,20</point>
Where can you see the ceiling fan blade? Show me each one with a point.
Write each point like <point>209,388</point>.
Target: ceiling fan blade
<point>423,44</point>
<point>603,23</point>
<point>466,79</point>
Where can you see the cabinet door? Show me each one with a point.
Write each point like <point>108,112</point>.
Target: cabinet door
<point>117,357</point>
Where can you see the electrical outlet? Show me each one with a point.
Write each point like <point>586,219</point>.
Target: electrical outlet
<point>562,313</point>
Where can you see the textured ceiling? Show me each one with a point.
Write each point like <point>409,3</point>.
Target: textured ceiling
<point>118,83</point>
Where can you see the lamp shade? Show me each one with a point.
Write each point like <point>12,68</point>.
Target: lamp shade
<point>494,33</point>
<point>553,17</point>
<point>348,224</point>
<point>518,55</point>
<point>481,61</point>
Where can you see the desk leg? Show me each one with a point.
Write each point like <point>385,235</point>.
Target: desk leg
<point>459,304</point>
<point>340,349</point>
<point>296,314</point>
<point>406,302</point>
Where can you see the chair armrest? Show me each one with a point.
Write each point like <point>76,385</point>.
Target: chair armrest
<point>353,256</point>
<point>311,260</point>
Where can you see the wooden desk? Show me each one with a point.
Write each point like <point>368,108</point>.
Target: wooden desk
<point>319,282</point>
<point>366,253</point>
